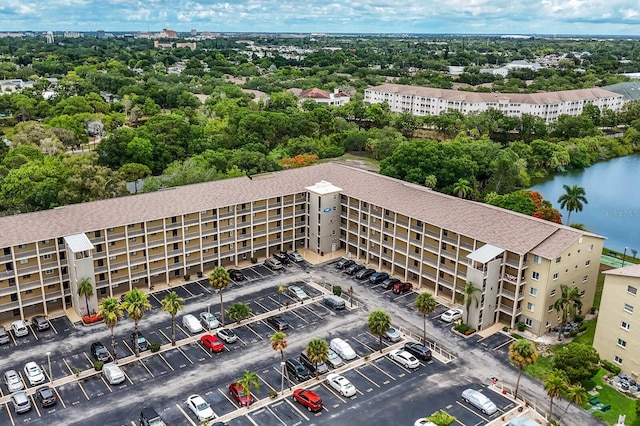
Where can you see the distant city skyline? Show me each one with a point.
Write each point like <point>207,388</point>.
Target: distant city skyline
<point>614,17</point>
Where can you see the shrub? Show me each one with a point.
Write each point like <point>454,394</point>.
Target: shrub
<point>154,347</point>
<point>505,328</point>
<point>254,259</point>
<point>187,277</point>
<point>638,407</point>
<point>578,318</point>
<point>582,328</point>
<point>521,326</point>
<point>609,366</point>
<point>462,328</point>
<point>272,394</point>
<point>98,365</point>
<point>593,310</point>
<point>573,333</point>
<point>337,290</point>
<point>199,274</point>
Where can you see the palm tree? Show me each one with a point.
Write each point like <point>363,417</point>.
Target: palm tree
<point>379,323</point>
<point>317,352</point>
<point>522,352</point>
<point>425,303</point>
<point>110,310</point>
<point>555,384</point>
<point>219,279</point>
<point>279,343</point>
<point>572,199</point>
<point>249,380</point>
<point>172,303</point>
<point>281,289</point>
<point>568,304</point>
<point>85,289</point>
<point>469,297</point>
<point>239,311</point>
<point>135,303</point>
<point>576,394</point>
<point>462,188</point>
<point>431,181</point>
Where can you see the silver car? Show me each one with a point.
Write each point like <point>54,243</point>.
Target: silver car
<point>334,361</point>
<point>392,335</point>
<point>209,321</point>
<point>13,381</point>
<point>21,402</point>
<point>479,400</point>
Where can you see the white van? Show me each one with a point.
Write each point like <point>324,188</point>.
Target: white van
<point>191,323</point>
<point>113,373</point>
<point>342,348</point>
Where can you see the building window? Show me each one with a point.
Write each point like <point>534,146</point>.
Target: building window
<point>531,307</point>
<point>550,308</point>
<point>533,291</point>
<point>112,257</point>
<point>585,278</point>
<point>555,276</point>
<point>48,257</point>
<point>134,267</point>
<point>617,360</point>
<point>24,261</point>
<point>528,322</point>
<point>587,263</point>
<point>535,276</point>
<point>628,308</point>
<point>591,247</point>
<point>558,259</point>
<point>632,290</point>
<point>625,325</point>
<point>112,243</point>
<point>48,271</point>
<point>21,246</point>
<point>537,259</point>
<point>553,292</point>
<point>132,239</point>
<point>622,343</point>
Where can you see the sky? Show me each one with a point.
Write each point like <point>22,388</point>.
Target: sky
<point>587,17</point>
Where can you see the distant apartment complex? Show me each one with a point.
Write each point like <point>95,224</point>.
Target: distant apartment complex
<point>617,339</point>
<point>549,105</point>
<point>438,242</point>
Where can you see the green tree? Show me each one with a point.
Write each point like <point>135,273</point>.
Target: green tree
<point>379,323</point>
<point>441,418</point>
<point>135,303</point>
<point>172,303</point>
<point>572,200</point>
<point>425,303</point>
<point>576,394</point>
<point>579,362</point>
<point>85,289</point>
<point>249,380</point>
<point>132,172</point>
<point>469,297</point>
<point>431,181</point>
<point>279,343</point>
<point>522,352</point>
<point>281,289</point>
<point>219,280</point>
<point>462,188</point>
<point>317,352</point>
<point>110,310</point>
<point>555,384</point>
<point>238,311</point>
<point>568,304</point>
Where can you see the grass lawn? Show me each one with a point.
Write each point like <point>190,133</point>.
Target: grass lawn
<point>620,404</point>
<point>586,338</point>
<point>541,367</point>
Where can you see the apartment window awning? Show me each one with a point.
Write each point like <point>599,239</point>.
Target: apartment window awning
<point>485,253</point>
<point>78,243</point>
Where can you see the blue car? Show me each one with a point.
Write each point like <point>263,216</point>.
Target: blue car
<point>378,277</point>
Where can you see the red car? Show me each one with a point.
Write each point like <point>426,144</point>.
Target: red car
<point>401,287</point>
<point>212,342</point>
<point>309,399</point>
<point>236,390</point>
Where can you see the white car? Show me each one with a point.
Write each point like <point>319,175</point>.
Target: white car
<point>298,293</point>
<point>227,335</point>
<point>451,315</point>
<point>19,328</point>
<point>295,257</point>
<point>200,408</point>
<point>342,348</point>
<point>341,384</point>
<point>423,422</point>
<point>113,373</point>
<point>191,323</point>
<point>209,321</point>
<point>13,381</point>
<point>479,400</point>
<point>34,373</point>
<point>404,358</point>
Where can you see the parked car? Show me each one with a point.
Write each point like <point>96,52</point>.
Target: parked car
<point>389,283</point>
<point>209,321</point>
<point>401,287</point>
<point>344,263</point>
<point>13,381</point>
<point>334,361</point>
<point>423,422</point>
<point>404,358</point>
<point>34,374</point>
<point>378,277</point>
<point>297,293</point>
<point>200,408</point>
<point>363,274</point>
<point>479,400</point>
<point>143,344</point>
<point>4,336</point>
<point>295,257</point>
<point>282,257</point>
<point>273,264</point>
<point>99,352</point>
<point>341,384</point>
<point>321,368</point>
<point>113,373</point>
<point>236,275</point>
<point>227,335</point>
<point>418,350</point>
<point>334,302</point>
<point>297,369</point>
<point>150,417</point>
<point>45,396</point>
<point>308,398</point>
<point>19,328</point>
<point>353,269</point>
<point>392,335</point>
<point>236,390</point>
<point>342,348</point>
<point>278,323</point>
<point>40,323</point>
<point>21,402</point>
<point>451,315</point>
<point>191,323</point>
<point>212,343</point>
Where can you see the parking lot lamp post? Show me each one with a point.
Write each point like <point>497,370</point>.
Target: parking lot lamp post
<point>282,374</point>
<point>209,309</point>
<point>49,362</point>
<point>624,255</point>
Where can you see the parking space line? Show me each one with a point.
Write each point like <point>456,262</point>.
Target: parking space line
<point>147,368</point>
<point>508,342</point>
<point>185,415</point>
<point>471,411</point>
<point>166,362</point>
<point>68,366</point>
<point>209,353</point>
<point>365,376</point>
<point>60,398</point>
<point>185,355</point>
<point>364,344</point>
<point>251,420</point>
<point>227,397</point>
<point>52,327</point>
<point>83,391</point>
<point>133,352</point>
<point>182,329</point>
<point>88,359</point>
<point>266,383</point>
<point>9,413</point>
<point>165,336</point>
<point>155,297</point>
<point>275,415</point>
<point>299,316</point>
<point>262,306</point>
<point>254,332</point>
<point>373,364</point>
<point>184,287</point>
<point>296,408</point>
<point>106,384</point>
<point>207,289</point>
<point>313,312</point>
<point>330,389</point>
<point>33,403</point>
<point>33,332</point>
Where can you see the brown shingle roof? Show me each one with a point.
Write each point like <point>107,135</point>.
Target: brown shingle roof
<point>512,231</point>
<point>314,93</point>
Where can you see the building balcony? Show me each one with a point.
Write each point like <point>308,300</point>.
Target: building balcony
<point>24,254</point>
<point>512,279</point>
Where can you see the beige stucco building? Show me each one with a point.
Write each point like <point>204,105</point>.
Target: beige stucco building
<point>617,338</point>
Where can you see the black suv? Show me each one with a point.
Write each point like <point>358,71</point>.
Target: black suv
<point>143,344</point>
<point>365,273</point>
<point>297,370</point>
<point>353,269</point>
<point>344,263</point>
<point>149,417</point>
<point>45,396</point>
<point>99,352</point>
<point>278,323</point>
<point>236,275</point>
<point>389,283</point>
<point>418,350</point>
<point>322,367</point>
<point>282,257</point>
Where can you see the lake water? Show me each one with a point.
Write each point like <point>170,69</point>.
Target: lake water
<point>613,191</point>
